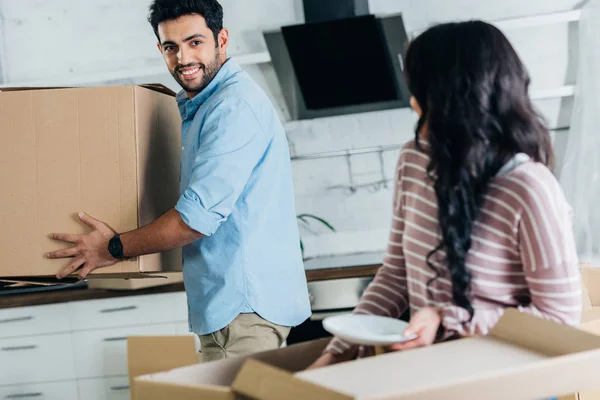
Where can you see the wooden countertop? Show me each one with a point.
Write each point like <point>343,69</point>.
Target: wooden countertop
<point>66,295</point>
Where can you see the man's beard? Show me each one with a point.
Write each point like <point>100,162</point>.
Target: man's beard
<point>208,73</point>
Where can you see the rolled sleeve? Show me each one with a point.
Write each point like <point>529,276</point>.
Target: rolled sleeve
<point>231,143</point>
<point>196,216</point>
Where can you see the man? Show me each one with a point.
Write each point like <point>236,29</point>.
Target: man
<point>235,219</point>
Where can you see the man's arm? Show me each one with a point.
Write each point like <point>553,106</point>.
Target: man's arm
<point>91,249</point>
<point>166,233</point>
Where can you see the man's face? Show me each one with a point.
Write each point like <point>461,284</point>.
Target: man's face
<point>191,52</point>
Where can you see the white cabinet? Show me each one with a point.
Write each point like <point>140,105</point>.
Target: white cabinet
<point>116,388</point>
<point>37,320</point>
<point>36,359</point>
<point>102,353</point>
<point>43,391</point>
<point>78,350</point>
<point>127,311</point>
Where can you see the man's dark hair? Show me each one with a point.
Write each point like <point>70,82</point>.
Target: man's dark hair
<point>166,10</point>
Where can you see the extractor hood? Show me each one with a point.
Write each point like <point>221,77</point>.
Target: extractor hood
<point>343,60</point>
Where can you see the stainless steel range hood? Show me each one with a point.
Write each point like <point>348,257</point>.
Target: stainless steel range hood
<point>343,60</point>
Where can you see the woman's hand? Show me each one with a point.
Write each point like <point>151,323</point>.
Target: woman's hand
<point>425,323</point>
<point>330,359</point>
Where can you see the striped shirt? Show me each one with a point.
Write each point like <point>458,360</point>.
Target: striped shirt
<point>522,252</point>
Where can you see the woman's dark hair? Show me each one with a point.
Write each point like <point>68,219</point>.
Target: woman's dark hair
<point>473,91</point>
<point>167,10</point>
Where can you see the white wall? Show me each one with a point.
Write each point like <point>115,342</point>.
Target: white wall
<point>55,41</point>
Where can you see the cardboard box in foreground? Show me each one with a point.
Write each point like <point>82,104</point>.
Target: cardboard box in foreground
<point>112,152</point>
<point>590,321</point>
<point>524,357</point>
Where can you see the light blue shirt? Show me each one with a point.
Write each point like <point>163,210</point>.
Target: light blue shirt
<point>237,190</point>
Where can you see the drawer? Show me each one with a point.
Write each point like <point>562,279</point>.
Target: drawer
<point>36,359</point>
<point>41,391</point>
<point>126,311</point>
<point>103,353</point>
<point>37,320</point>
<point>104,388</point>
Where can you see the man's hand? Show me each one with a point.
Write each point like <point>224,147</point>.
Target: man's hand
<point>425,323</point>
<point>89,250</point>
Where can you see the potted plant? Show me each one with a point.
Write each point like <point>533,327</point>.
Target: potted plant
<point>306,219</point>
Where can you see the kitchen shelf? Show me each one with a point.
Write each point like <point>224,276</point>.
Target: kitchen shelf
<point>140,73</point>
<point>553,93</point>
<point>530,21</point>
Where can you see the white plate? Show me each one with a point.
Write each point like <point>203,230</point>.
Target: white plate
<point>369,330</point>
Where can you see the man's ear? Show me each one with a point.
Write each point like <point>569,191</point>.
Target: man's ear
<point>223,40</point>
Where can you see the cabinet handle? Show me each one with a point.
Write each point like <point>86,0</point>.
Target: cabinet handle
<point>23,395</point>
<point>115,339</point>
<point>16,348</point>
<point>111,310</point>
<point>17,319</point>
<point>117,388</point>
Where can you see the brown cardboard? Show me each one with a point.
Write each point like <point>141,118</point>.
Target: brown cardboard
<point>590,320</point>
<point>112,152</point>
<point>524,357</point>
<point>151,280</point>
<point>212,381</point>
<point>590,277</point>
<point>150,354</point>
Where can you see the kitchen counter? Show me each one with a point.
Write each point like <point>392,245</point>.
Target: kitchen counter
<point>68,295</point>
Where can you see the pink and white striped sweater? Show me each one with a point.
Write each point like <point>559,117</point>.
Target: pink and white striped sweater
<point>522,253</point>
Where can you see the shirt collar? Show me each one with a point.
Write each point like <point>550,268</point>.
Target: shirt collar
<point>189,106</point>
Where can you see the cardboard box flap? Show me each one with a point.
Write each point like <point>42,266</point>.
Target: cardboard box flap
<point>542,335</point>
<point>213,380</point>
<point>150,354</point>
<point>495,360</point>
<point>157,87</point>
<point>148,390</point>
<point>591,281</point>
<point>261,381</point>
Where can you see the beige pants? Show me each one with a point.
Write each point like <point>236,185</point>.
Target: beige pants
<point>246,334</point>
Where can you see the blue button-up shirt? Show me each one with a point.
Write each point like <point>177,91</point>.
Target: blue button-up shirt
<point>237,190</point>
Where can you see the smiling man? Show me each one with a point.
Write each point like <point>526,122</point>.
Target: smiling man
<point>235,218</point>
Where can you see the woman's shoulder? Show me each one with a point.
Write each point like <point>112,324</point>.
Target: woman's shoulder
<point>530,184</point>
<point>411,152</point>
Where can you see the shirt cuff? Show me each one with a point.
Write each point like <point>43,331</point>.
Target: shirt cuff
<point>196,216</point>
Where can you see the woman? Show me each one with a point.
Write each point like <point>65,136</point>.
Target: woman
<point>480,223</point>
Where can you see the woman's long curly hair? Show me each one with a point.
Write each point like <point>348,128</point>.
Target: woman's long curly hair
<point>476,114</point>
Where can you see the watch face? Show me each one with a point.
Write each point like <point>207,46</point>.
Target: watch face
<point>114,247</point>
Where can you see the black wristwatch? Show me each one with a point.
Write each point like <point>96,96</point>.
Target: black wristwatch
<point>115,247</point>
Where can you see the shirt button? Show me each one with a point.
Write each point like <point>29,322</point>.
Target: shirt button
<point>182,148</point>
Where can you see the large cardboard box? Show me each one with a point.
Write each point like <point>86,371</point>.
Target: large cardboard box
<point>112,152</point>
<point>590,320</point>
<point>524,357</point>
<point>212,380</point>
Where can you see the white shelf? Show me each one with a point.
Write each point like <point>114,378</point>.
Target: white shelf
<point>530,21</point>
<point>563,91</point>
<point>253,58</point>
<point>539,20</point>
<point>138,74</point>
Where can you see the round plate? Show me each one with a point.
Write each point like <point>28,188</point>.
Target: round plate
<point>371,330</point>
